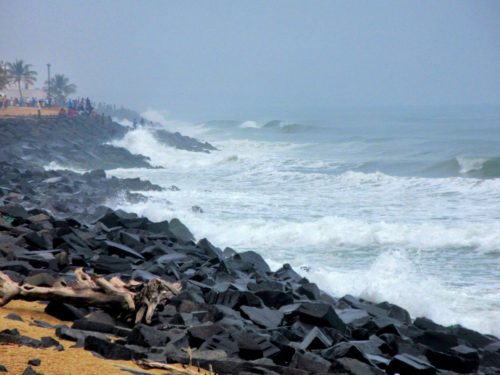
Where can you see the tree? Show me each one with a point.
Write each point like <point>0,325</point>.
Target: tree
<point>60,88</point>
<point>4,78</point>
<point>19,72</point>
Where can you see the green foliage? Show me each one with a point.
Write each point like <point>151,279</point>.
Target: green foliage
<point>4,78</point>
<point>19,72</point>
<point>60,88</point>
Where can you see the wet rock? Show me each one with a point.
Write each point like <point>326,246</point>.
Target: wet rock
<point>248,261</point>
<point>353,317</point>
<point>208,249</point>
<point>396,312</point>
<point>452,361</point>
<point>439,341</point>
<point>472,338</point>
<point>179,230</point>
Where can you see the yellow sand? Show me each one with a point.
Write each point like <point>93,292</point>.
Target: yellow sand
<point>68,362</point>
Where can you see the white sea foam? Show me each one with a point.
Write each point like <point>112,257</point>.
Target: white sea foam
<point>124,122</point>
<point>54,166</point>
<point>394,277</point>
<point>470,164</point>
<point>431,245</point>
<point>249,124</point>
<point>161,117</point>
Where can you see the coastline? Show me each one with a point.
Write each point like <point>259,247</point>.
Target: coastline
<point>276,321</point>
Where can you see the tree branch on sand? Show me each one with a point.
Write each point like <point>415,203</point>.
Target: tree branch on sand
<point>141,299</point>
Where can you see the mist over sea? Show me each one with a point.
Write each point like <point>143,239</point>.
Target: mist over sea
<point>399,205</point>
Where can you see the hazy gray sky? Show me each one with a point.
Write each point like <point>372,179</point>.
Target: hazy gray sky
<point>243,56</point>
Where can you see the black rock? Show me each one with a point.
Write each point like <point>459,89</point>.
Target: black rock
<point>48,342</point>
<point>109,264</point>
<point>454,362</point>
<point>201,333</point>
<point>274,299</point>
<point>263,317</point>
<point>29,371</point>
<point>179,230</point>
<point>86,324</point>
<point>354,367</point>
<point>13,316</point>
<point>408,364</point>
<point>147,336</point>
<point>64,311</point>
<point>248,261</point>
<point>3,368</point>
<point>439,341</point>
<point>473,338</point>
<point>14,210</point>
<point>344,350</point>
<point>208,249</point>
<point>316,339</point>
<point>121,250</point>
<point>253,345</point>
<point>76,335</point>
<point>317,313</point>
<point>223,341</point>
<point>35,362</point>
<point>108,349</point>
<point>309,362</point>
<point>396,312</point>
<point>353,317</point>
<point>234,299</point>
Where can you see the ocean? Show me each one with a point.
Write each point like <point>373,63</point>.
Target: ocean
<point>398,205</point>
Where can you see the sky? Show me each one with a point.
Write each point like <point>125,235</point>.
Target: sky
<point>219,57</point>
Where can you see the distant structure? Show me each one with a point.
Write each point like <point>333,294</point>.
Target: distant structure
<point>29,92</point>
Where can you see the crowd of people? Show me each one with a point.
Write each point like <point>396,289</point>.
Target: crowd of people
<point>33,102</point>
<point>71,107</point>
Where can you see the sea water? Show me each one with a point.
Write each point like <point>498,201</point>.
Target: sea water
<point>397,205</point>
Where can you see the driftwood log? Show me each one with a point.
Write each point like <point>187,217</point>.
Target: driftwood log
<point>139,299</point>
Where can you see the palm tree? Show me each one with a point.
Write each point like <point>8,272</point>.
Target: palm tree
<point>60,88</point>
<point>19,72</point>
<point>4,78</point>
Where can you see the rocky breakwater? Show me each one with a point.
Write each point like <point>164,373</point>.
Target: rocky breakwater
<point>231,313</point>
<point>80,142</point>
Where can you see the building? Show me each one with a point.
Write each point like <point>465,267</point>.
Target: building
<point>12,91</point>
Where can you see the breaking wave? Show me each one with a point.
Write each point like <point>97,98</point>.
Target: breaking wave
<point>468,167</point>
